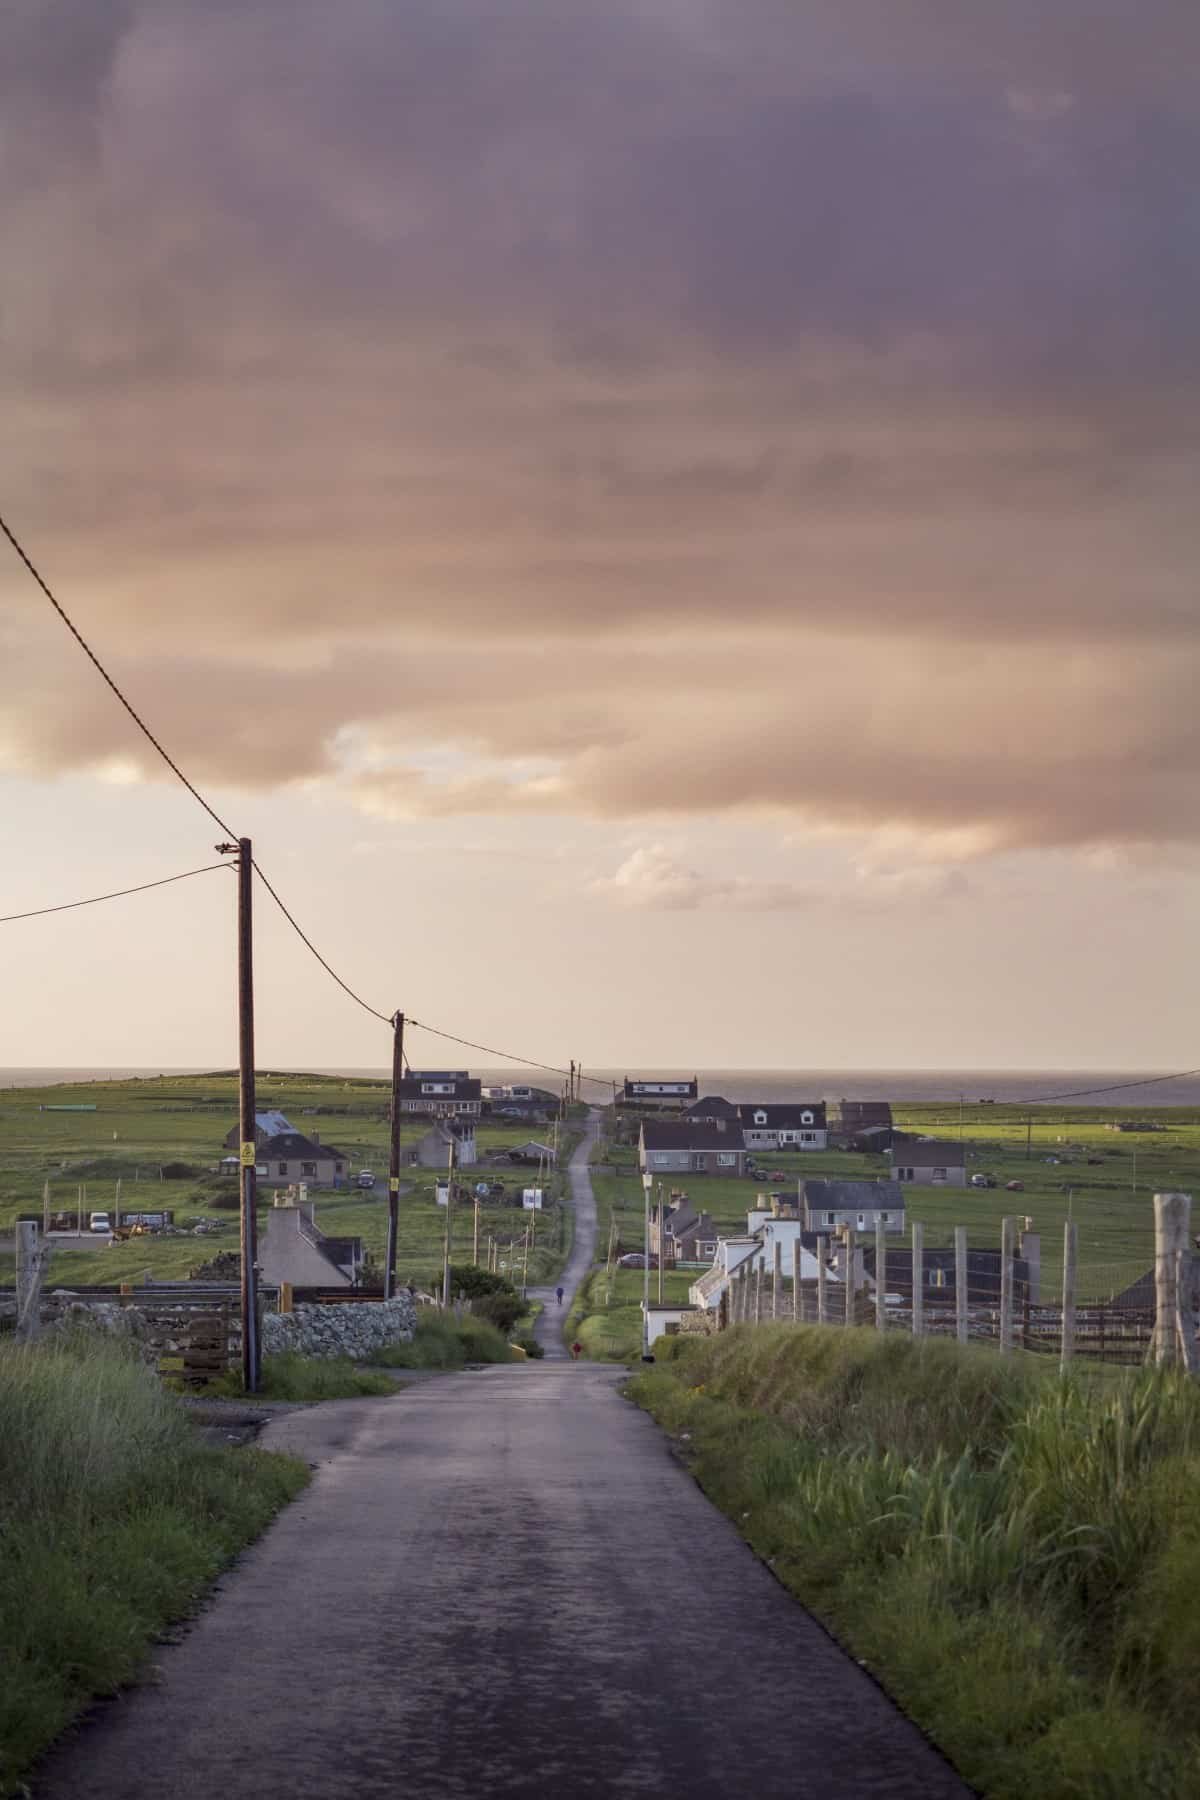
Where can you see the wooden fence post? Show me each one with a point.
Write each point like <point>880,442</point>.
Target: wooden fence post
<point>1007,1230</point>
<point>1070,1263</point>
<point>848,1318</point>
<point>758,1293</point>
<point>286,1301</point>
<point>1185,1288</point>
<point>822,1283</point>
<point>918,1279</point>
<point>776,1279</point>
<point>962,1317</point>
<point>797,1254</point>
<point>31,1263</point>
<point>880,1274</point>
<point>1172,1216</point>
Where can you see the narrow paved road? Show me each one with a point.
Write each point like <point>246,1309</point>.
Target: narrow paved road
<point>499,1584</point>
<point>583,1248</point>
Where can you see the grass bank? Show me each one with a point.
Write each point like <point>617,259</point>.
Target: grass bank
<point>443,1342</point>
<point>1015,1557</point>
<point>113,1521</point>
<point>290,1376</point>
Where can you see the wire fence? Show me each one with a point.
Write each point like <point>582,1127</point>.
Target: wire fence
<point>991,1295</point>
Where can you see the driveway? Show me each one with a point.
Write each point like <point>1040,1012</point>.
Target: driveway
<point>499,1584</point>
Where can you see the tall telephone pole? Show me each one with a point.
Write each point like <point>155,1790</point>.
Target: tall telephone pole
<point>389,1273</point>
<point>247,1133</point>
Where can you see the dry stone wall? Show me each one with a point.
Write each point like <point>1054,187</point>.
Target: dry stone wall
<point>354,1330</point>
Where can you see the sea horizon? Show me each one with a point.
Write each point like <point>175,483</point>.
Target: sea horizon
<point>1035,1087</point>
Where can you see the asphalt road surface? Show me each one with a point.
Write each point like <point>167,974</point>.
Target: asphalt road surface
<point>499,1583</point>
<point>550,1320</point>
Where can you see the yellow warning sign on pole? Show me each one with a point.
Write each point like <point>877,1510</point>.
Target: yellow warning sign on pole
<point>394,1183</point>
<point>248,1157</point>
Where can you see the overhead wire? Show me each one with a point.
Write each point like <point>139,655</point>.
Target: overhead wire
<point>506,1056</point>
<point>107,678</point>
<point>385,1018</point>
<point>40,912</point>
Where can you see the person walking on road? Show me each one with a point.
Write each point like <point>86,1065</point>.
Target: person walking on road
<point>576,1350</point>
<point>558,1293</point>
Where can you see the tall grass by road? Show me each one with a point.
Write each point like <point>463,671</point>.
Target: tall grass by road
<point>114,1519</point>
<point>1015,1557</point>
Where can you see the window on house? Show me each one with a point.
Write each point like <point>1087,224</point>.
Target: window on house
<point>308,1168</point>
<point>808,1137</point>
<point>904,1174</point>
<point>283,1168</point>
<point>939,1174</point>
<point>886,1217</point>
<point>726,1159</point>
<point>831,1218</point>
<point>806,1118</point>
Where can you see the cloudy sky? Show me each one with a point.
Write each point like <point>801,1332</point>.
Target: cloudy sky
<point>673,523</point>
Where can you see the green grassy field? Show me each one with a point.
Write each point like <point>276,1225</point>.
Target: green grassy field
<point>1109,1199</point>
<point>140,1126</point>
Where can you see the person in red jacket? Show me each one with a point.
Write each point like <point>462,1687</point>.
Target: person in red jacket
<point>577,1349</point>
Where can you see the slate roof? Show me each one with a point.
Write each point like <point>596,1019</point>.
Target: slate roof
<point>785,1117</point>
<point>293,1143</point>
<point>852,1196</point>
<point>853,1115</point>
<point>712,1106</point>
<point>691,1134</point>
<point>927,1153</point>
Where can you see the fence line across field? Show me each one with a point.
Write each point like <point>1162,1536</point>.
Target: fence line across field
<point>1164,1330</point>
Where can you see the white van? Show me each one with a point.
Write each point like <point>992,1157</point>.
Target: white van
<point>99,1221</point>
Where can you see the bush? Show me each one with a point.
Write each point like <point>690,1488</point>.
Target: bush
<point>526,1341</point>
<point>473,1283</point>
<point>179,1171</point>
<point>500,1310</point>
<point>443,1342</point>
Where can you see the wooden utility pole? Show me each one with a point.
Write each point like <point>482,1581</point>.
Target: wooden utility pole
<point>46,1205</point>
<point>525,1268</point>
<point>1028,1139</point>
<point>848,1318</point>
<point>393,1225</point>
<point>962,1318</point>
<point>822,1284</point>
<point>247,1133</point>
<point>776,1279</point>
<point>475,1235</point>
<point>797,1256</point>
<point>117,1205</point>
<point>448,1237</point>
<point>662,1244</point>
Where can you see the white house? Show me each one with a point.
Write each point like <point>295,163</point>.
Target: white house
<point>768,1126</point>
<point>661,1317</point>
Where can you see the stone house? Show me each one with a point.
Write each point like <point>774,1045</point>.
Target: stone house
<point>929,1162</point>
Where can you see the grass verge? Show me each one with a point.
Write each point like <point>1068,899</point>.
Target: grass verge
<point>114,1520</point>
<point>443,1342</point>
<point>290,1376</point>
<point>1015,1557</point>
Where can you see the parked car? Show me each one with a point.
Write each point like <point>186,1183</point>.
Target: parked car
<point>99,1221</point>
<point>636,1260</point>
<point>983,1181</point>
<point>777,1175</point>
<point>366,1178</point>
<point>1014,1187</point>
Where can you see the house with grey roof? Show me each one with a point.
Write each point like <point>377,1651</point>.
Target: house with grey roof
<point>441,1094</point>
<point>929,1162</point>
<point>681,1147</point>
<point>769,1125</point>
<point>658,1093</point>
<point>681,1233</point>
<point>287,1156</point>
<point>293,1248</point>
<point>827,1206</point>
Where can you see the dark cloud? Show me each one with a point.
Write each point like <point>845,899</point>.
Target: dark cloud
<point>648,408</point>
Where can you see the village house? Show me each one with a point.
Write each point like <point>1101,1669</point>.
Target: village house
<point>711,1107</point>
<point>983,1272</point>
<point>678,1147</point>
<point>293,1248</point>
<point>771,1126</point>
<point>678,1233</point>
<point>849,1118</point>
<point>284,1155</point>
<point>441,1094</point>
<point>658,1096</point>
<point>829,1205</point>
<point>928,1162</point>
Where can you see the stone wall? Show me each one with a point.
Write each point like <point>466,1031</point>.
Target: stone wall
<point>353,1330</point>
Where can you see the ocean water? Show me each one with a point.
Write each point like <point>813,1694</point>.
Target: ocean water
<point>1120,1088</point>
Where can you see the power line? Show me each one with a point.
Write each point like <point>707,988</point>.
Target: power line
<point>101,670</point>
<point>68,905</point>
<point>1117,1087</point>
<point>384,1018</point>
<point>505,1056</point>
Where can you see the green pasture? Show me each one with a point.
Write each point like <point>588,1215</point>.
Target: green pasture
<point>141,1125</point>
